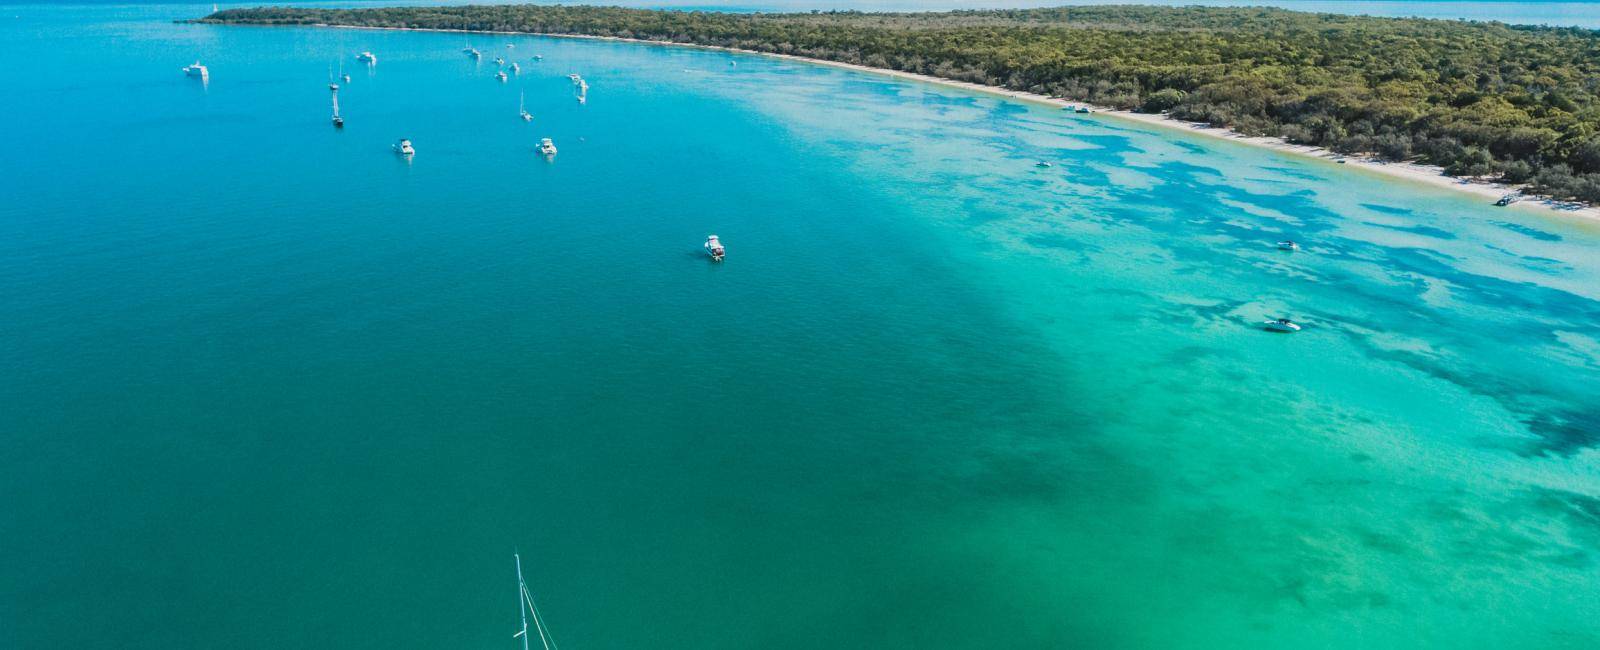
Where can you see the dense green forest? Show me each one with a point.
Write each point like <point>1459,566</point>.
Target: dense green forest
<point>1521,104</point>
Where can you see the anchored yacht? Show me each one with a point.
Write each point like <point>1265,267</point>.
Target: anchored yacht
<point>547,148</point>
<point>1281,325</point>
<point>715,249</point>
<point>338,122</point>
<point>403,147</point>
<point>197,70</point>
<point>367,58</point>
<point>522,109</point>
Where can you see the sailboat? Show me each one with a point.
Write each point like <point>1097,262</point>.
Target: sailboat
<point>522,109</point>
<point>525,607</point>
<point>338,122</point>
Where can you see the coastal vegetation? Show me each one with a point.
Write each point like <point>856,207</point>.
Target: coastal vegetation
<point>1487,100</point>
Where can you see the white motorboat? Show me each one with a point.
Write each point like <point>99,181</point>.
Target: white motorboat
<point>547,148</point>
<point>1288,245</point>
<point>1281,325</point>
<point>367,58</point>
<point>472,52</point>
<point>715,249</point>
<point>403,147</point>
<point>197,70</point>
<point>501,75</point>
<point>515,69</point>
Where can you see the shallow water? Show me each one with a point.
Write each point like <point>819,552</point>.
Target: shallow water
<point>270,386</point>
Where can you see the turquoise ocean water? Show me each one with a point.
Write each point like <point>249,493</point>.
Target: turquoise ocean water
<point>266,385</point>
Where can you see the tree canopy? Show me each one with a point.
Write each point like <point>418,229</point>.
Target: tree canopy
<point>1519,104</point>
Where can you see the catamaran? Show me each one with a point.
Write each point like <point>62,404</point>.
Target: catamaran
<point>522,109</point>
<point>526,608</point>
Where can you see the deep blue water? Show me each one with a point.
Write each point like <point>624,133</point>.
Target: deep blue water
<point>268,385</point>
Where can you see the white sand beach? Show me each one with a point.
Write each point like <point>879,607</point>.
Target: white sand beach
<point>1413,172</point>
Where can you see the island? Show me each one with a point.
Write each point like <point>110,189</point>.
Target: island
<point>1518,105</point>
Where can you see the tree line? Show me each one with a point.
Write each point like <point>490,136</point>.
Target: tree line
<point>1489,100</point>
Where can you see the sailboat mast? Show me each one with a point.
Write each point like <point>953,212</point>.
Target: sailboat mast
<point>522,597</point>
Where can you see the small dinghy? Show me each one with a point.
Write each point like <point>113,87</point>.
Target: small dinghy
<point>1288,245</point>
<point>714,249</point>
<point>1507,200</point>
<point>1281,325</point>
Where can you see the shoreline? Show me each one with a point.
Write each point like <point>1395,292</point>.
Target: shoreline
<point>1413,172</point>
